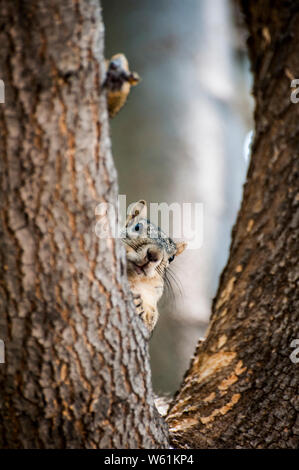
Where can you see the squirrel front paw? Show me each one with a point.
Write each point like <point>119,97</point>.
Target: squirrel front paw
<point>146,312</point>
<point>138,304</point>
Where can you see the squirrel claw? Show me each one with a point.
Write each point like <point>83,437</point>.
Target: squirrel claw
<point>138,304</point>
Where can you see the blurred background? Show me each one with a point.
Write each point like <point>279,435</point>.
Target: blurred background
<point>184,136</point>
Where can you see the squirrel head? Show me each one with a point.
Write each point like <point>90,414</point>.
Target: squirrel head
<point>118,73</point>
<point>118,82</point>
<point>149,249</point>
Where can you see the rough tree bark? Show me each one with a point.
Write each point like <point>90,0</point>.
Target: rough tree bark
<point>77,372</point>
<point>242,388</point>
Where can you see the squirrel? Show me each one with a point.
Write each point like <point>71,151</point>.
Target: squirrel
<point>149,252</point>
<point>118,82</point>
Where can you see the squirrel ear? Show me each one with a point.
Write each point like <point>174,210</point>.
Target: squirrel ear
<point>180,247</point>
<point>134,78</point>
<point>136,210</point>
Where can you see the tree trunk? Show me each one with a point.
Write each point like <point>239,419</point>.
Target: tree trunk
<point>241,389</point>
<point>76,370</point>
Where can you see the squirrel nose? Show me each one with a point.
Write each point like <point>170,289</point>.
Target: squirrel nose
<point>152,255</point>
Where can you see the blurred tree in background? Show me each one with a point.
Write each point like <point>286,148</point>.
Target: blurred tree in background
<point>181,139</point>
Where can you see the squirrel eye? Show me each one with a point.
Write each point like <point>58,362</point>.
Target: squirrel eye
<point>138,227</point>
<point>170,259</point>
